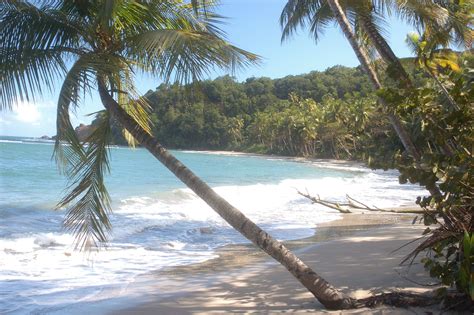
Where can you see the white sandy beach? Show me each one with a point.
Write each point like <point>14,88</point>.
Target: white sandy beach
<point>243,280</point>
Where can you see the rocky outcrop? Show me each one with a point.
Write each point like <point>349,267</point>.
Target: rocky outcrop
<point>83,131</point>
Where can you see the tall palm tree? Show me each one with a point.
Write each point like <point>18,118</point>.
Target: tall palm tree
<point>442,22</point>
<point>99,45</point>
<point>319,13</point>
<point>445,21</point>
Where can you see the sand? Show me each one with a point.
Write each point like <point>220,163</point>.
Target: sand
<point>357,254</point>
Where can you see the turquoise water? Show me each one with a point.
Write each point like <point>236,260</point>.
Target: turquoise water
<point>157,221</point>
<point>30,177</point>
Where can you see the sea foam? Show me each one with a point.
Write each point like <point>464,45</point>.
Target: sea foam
<point>160,228</point>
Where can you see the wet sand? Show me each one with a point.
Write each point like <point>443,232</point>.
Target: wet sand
<point>357,253</point>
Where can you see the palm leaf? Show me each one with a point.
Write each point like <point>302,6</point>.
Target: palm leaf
<point>298,14</point>
<point>34,44</point>
<point>88,217</point>
<point>128,98</point>
<point>77,82</point>
<point>24,75</point>
<point>185,55</point>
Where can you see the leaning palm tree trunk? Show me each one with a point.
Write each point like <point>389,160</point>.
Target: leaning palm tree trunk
<point>387,54</point>
<point>364,60</point>
<point>328,295</point>
<point>385,51</point>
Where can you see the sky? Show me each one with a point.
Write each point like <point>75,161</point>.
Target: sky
<point>251,25</point>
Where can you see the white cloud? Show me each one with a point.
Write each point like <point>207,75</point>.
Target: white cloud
<point>27,112</point>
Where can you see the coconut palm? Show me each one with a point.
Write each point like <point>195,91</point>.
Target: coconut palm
<point>100,45</point>
<point>442,23</point>
<point>445,21</point>
<point>318,14</point>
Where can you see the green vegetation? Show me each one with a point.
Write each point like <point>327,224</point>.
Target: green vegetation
<point>421,124</point>
<point>434,121</point>
<point>446,134</point>
<point>329,114</point>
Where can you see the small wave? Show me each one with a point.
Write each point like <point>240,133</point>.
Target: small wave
<point>175,227</point>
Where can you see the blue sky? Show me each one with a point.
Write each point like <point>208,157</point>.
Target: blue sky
<point>251,25</point>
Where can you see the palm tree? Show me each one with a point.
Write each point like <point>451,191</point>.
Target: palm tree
<point>100,45</point>
<point>444,22</point>
<point>319,13</point>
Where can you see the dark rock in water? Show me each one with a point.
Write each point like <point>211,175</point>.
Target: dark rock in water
<point>206,230</point>
<point>83,131</point>
<point>45,137</point>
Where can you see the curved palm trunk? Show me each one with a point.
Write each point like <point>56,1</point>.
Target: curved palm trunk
<point>385,51</point>
<point>387,54</point>
<point>364,61</point>
<point>328,295</point>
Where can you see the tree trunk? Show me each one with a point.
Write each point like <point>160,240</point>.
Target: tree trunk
<point>328,295</point>
<point>364,61</point>
<point>401,75</point>
<point>385,51</point>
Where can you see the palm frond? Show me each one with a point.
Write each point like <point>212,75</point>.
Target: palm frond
<point>301,13</point>
<point>364,40</point>
<point>88,217</point>
<point>23,76</point>
<point>33,46</point>
<point>133,18</point>
<point>185,55</point>
<point>421,12</point>
<point>318,16</point>
<point>77,82</point>
<point>124,91</point>
<point>203,7</point>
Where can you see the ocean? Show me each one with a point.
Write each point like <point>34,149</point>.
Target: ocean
<point>157,221</point>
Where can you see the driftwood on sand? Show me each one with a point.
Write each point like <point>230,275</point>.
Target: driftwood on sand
<point>352,204</point>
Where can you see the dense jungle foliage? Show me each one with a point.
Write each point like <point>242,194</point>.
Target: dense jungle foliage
<point>330,114</point>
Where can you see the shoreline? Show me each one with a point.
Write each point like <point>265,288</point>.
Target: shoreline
<point>351,165</point>
<point>344,226</point>
<point>244,279</point>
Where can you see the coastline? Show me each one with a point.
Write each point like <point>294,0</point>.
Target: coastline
<point>150,233</point>
<point>354,253</point>
<point>338,164</point>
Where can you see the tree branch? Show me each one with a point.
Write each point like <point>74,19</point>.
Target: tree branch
<point>354,204</point>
